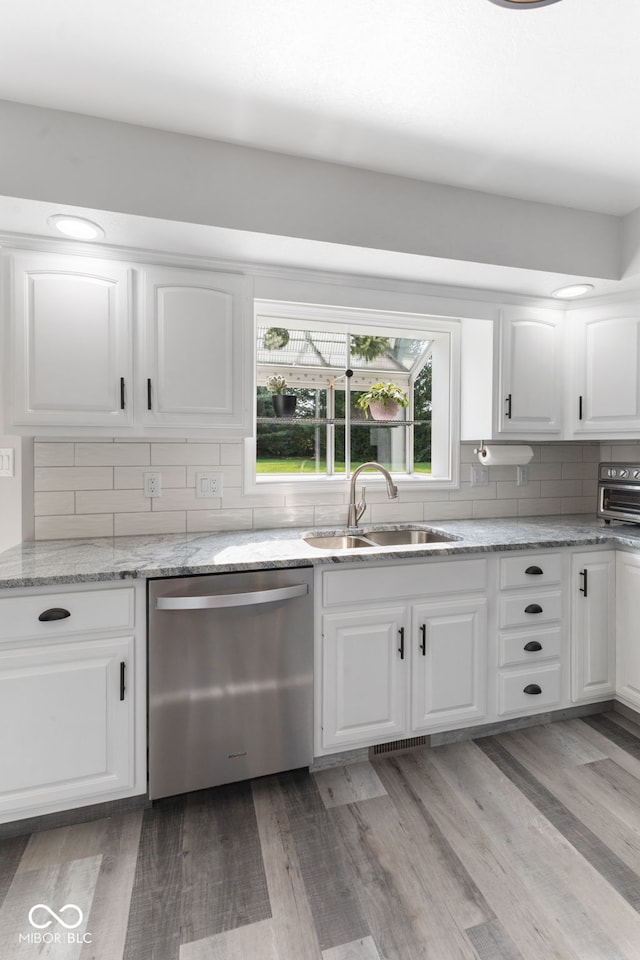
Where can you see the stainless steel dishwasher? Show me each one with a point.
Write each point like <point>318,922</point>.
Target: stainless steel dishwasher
<point>230,677</point>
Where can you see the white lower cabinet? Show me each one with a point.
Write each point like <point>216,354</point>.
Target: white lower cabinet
<point>448,663</point>
<point>389,671</point>
<point>71,699</point>
<point>593,655</point>
<point>628,628</point>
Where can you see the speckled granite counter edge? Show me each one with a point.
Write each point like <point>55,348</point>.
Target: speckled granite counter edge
<point>48,562</point>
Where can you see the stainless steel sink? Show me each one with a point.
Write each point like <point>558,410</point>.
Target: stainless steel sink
<point>387,538</point>
<point>378,538</point>
<point>337,543</point>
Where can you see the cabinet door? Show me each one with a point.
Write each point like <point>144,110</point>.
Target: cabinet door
<point>71,342</point>
<point>363,676</point>
<point>592,625</point>
<point>196,350</point>
<point>530,400</point>
<point>66,723</point>
<point>628,628</point>
<point>607,375</point>
<point>448,663</point>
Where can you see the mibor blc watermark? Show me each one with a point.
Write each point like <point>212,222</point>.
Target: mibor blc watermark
<point>46,925</point>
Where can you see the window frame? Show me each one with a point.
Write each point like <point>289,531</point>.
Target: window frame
<point>446,392</point>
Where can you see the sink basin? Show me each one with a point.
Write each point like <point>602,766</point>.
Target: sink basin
<point>377,538</point>
<point>338,542</point>
<point>387,538</point>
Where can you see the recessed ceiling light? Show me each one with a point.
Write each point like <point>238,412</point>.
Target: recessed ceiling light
<point>523,4</point>
<point>572,291</point>
<point>76,227</point>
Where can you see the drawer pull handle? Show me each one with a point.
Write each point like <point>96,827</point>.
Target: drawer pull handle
<point>54,613</point>
<point>532,688</point>
<point>533,646</point>
<point>401,647</point>
<point>423,642</point>
<point>583,588</point>
<point>533,608</point>
<point>534,571</point>
<point>123,686</point>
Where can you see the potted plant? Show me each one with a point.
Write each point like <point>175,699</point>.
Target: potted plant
<point>383,400</point>
<point>284,404</point>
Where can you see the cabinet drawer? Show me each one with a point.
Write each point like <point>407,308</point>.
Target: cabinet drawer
<point>529,646</point>
<point>366,583</point>
<point>531,608</point>
<point>530,570</point>
<point>88,610</point>
<point>512,684</point>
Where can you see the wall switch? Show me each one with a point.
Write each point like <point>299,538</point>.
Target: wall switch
<point>152,484</point>
<point>208,484</point>
<point>7,461</point>
<point>479,475</point>
<point>522,476</point>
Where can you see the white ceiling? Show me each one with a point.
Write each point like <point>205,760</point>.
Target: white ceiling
<point>533,103</point>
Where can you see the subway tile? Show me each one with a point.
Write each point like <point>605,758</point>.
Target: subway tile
<point>329,516</point>
<point>206,454</point>
<point>560,488</point>
<point>232,498</point>
<point>231,454</point>
<point>303,499</point>
<point>56,502</point>
<point>184,499</point>
<point>467,492</point>
<point>73,478</point>
<point>128,524</point>
<point>112,501</point>
<point>511,491</point>
<point>561,452</point>
<point>625,451</point>
<point>545,471</point>
<point>132,478</point>
<point>579,505</point>
<point>112,454</point>
<point>53,454</point>
<point>483,509</point>
<point>539,508</point>
<point>579,471</point>
<point>202,521</point>
<point>591,452</point>
<point>392,512</point>
<point>448,510</point>
<point>590,488</point>
<point>265,518</point>
<point>59,528</point>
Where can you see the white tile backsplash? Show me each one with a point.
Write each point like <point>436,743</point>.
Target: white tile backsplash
<point>94,488</point>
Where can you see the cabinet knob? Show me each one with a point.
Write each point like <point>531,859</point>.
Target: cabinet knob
<point>532,688</point>
<point>533,608</point>
<point>533,646</point>
<point>534,571</point>
<point>54,613</point>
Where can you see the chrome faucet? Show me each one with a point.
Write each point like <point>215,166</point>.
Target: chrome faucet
<point>356,511</point>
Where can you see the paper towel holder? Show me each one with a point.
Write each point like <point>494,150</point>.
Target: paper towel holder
<point>480,451</point>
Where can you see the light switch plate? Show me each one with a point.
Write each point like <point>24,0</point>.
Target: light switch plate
<point>7,461</point>
<point>208,484</point>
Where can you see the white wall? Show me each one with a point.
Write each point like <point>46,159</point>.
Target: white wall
<point>77,160</point>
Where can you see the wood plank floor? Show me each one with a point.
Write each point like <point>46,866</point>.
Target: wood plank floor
<point>520,846</point>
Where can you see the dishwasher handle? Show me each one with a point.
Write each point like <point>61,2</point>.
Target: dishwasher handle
<point>215,601</point>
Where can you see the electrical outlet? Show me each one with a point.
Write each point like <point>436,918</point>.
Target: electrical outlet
<point>7,462</point>
<point>208,484</point>
<point>152,484</point>
<point>479,475</point>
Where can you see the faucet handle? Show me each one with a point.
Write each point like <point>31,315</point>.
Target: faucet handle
<point>362,506</point>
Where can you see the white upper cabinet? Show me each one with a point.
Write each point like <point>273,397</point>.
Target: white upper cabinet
<point>512,376</point>
<point>605,396</point>
<point>195,351</point>
<point>70,351</point>
<point>530,392</point>
<point>85,357</point>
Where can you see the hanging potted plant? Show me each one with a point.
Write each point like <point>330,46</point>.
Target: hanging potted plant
<point>276,338</point>
<point>383,400</point>
<point>284,404</point>
<point>368,347</point>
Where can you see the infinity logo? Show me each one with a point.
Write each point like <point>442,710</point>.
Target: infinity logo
<point>56,916</point>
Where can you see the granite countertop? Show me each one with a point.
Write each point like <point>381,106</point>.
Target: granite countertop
<point>45,562</point>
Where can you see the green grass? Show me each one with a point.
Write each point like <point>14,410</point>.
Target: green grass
<point>298,465</point>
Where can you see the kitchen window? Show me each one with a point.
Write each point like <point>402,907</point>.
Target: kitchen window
<point>327,359</point>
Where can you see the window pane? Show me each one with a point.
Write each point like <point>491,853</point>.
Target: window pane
<point>422,415</point>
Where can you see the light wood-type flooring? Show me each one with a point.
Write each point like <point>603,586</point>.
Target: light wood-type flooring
<point>521,845</point>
